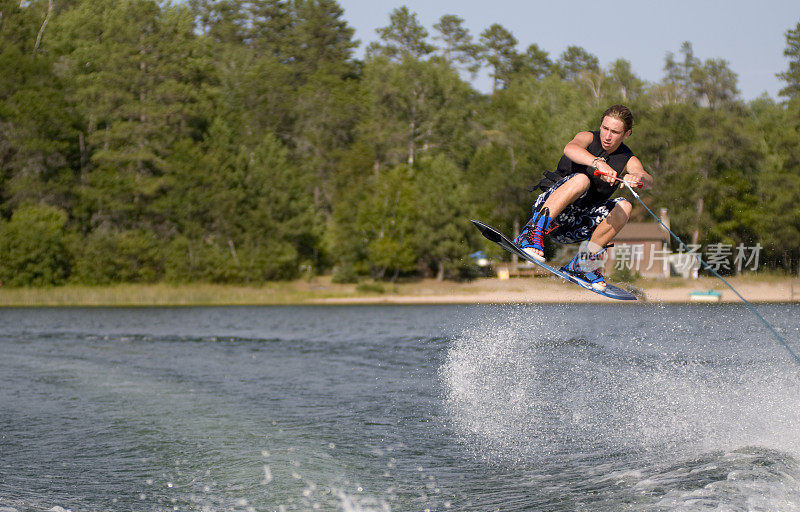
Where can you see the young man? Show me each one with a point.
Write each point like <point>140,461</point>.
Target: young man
<point>576,205</point>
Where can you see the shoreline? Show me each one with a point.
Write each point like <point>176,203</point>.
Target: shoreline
<point>321,291</point>
<point>554,291</point>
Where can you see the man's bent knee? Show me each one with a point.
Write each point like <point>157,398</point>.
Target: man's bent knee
<point>619,215</point>
<point>573,187</point>
<point>566,193</point>
<point>625,207</point>
<point>579,181</point>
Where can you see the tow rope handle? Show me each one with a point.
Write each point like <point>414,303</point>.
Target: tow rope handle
<point>598,172</point>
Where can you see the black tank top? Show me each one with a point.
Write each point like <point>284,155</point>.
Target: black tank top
<point>599,190</point>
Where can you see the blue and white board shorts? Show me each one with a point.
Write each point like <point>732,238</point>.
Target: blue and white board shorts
<point>577,222</point>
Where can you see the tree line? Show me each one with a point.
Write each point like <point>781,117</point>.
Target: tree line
<point>236,141</point>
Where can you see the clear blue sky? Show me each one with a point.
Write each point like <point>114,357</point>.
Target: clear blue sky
<point>750,35</point>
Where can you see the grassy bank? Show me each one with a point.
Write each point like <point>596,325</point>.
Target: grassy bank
<point>296,292</point>
<point>769,288</point>
<point>300,291</point>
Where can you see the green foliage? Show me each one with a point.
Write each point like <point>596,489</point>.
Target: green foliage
<point>232,141</point>
<point>498,47</point>
<point>233,215</point>
<point>792,75</point>
<point>535,63</point>
<point>708,162</point>
<point>442,210</point>
<point>33,247</point>
<point>413,107</point>
<point>575,61</point>
<point>403,39</point>
<point>215,261</point>
<point>625,86</point>
<point>105,257</point>
<point>371,288</point>
<point>458,47</point>
<point>37,130</point>
<point>134,66</point>
<point>344,274</point>
<point>387,219</point>
<point>711,83</point>
<point>624,275</point>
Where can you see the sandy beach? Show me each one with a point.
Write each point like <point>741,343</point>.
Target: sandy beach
<point>553,290</point>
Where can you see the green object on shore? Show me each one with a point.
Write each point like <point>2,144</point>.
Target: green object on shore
<point>709,293</point>
<point>705,296</point>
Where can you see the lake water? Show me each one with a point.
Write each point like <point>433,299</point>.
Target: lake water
<point>402,408</point>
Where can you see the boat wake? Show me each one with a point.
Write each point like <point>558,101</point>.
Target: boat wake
<point>659,415</point>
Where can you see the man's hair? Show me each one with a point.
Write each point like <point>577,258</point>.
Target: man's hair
<point>620,112</point>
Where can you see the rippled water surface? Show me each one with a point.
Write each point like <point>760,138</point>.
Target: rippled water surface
<point>404,408</point>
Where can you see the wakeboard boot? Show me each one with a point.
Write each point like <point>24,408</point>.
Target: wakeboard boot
<point>587,267</point>
<point>531,239</point>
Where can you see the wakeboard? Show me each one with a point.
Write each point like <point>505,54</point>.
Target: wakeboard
<point>611,291</point>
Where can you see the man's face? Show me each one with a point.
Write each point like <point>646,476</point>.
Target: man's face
<point>612,133</point>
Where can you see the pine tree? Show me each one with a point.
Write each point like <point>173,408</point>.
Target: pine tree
<point>678,74</point>
<point>792,75</point>
<point>575,61</point>
<point>498,50</point>
<point>713,83</point>
<point>404,38</point>
<point>223,21</point>
<point>623,82</point>
<point>442,208</point>
<point>413,108</point>
<point>272,30</point>
<point>458,48</point>
<point>323,41</point>
<point>327,106</point>
<point>535,62</point>
<point>38,136</point>
<point>33,247</point>
<point>136,70</point>
<point>386,221</point>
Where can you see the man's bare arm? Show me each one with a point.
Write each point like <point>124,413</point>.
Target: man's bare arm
<point>636,173</point>
<point>576,150</point>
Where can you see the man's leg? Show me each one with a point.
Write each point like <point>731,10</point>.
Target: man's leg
<point>530,240</point>
<point>611,225</point>
<point>566,194</point>
<point>585,265</point>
